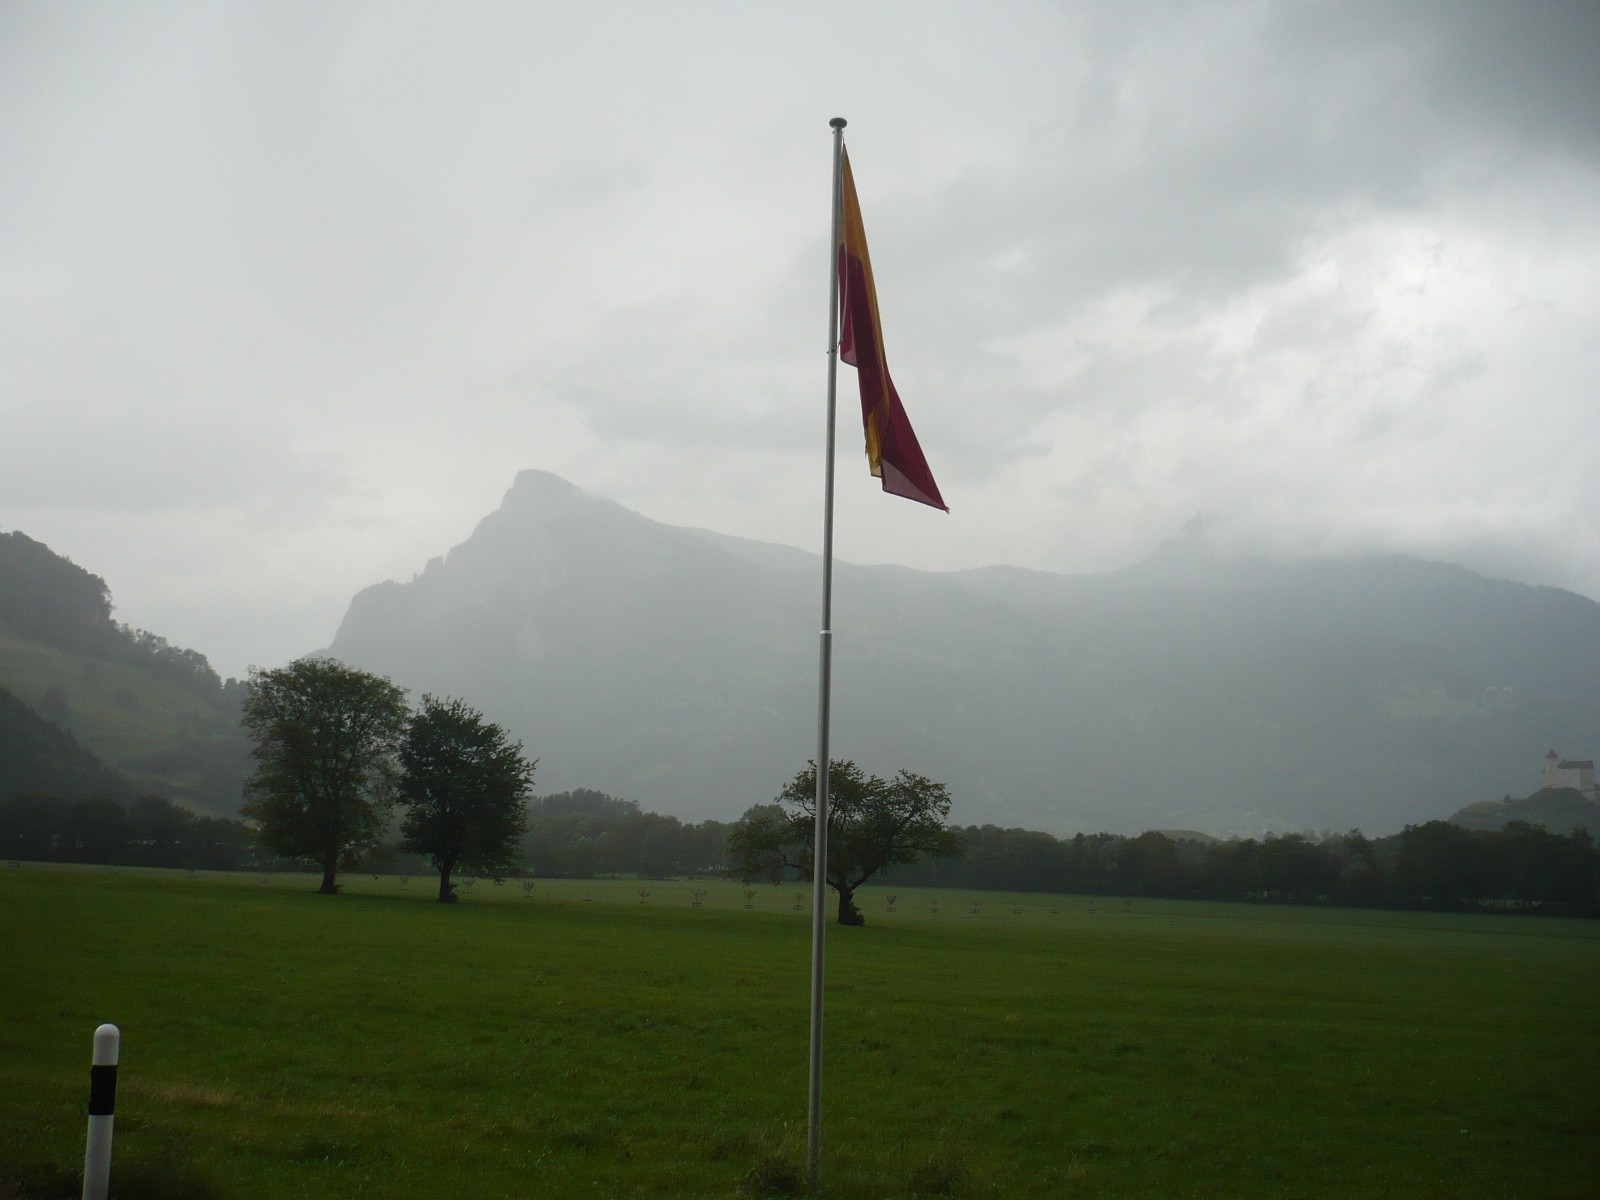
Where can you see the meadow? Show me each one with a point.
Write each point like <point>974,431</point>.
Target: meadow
<point>584,1039</point>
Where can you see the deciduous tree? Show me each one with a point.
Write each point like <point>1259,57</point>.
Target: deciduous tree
<point>465,785</point>
<point>326,738</point>
<point>872,823</point>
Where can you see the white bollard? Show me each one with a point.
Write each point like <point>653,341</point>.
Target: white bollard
<point>102,1106</point>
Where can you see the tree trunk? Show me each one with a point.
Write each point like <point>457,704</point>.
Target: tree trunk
<point>849,914</point>
<point>447,892</point>
<point>329,887</point>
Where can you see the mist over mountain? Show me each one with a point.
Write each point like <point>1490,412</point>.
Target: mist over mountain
<point>677,667</point>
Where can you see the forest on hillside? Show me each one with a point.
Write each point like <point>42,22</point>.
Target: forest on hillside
<point>93,707</point>
<point>53,601</point>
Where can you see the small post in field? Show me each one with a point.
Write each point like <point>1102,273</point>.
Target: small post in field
<point>102,1107</point>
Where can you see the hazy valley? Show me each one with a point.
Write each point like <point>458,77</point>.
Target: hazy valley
<point>677,668</point>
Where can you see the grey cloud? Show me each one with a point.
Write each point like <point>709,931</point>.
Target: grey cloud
<point>1208,176</point>
<point>324,266</point>
<point>146,458</point>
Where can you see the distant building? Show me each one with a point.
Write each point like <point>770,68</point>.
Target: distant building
<point>1575,773</point>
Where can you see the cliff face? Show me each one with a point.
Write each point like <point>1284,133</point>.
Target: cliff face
<point>678,668</point>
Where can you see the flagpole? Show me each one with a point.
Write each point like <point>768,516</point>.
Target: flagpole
<point>819,871</point>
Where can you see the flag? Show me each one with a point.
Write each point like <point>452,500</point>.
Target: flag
<point>892,449</point>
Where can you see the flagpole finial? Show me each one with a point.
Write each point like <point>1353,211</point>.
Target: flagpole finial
<point>837,123</point>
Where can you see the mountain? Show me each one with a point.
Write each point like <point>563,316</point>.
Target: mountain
<point>678,667</point>
<point>153,713</point>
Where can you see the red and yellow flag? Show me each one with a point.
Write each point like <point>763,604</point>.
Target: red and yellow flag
<point>892,448</point>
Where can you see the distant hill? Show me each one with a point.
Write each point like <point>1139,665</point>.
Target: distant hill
<point>154,713</point>
<point>678,667</point>
<point>37,758</point>
<point>1559,810</point>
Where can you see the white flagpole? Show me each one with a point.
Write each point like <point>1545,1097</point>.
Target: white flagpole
<point>819,872</point>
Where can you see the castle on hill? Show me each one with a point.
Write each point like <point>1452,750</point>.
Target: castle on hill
<point>1574,773</point>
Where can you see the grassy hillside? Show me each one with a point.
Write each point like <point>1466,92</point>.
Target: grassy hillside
<point>587,1040</point>
<point>163,737</point>
<point>38,758</point>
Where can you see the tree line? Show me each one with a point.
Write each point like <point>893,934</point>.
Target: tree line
<point>583,834</point>
<point>151,831</point>
<point>1436,864</point>
<point>339,752</point>
<point>568,835</point>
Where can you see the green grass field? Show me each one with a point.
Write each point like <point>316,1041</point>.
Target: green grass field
<point>580,1042</point>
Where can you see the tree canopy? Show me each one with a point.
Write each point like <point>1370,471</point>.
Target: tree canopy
<point>465,785</point>
<point>326,741</point>
<point>873,823</point>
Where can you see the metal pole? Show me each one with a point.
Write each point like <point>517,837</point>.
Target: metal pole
<point>102,1109</point>
<point>819,871</point>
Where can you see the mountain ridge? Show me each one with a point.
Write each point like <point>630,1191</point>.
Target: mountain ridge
<point>678,667</point>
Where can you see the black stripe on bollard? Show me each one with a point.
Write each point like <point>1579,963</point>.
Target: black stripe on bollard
<point>102,1099</point>
<point>102,1091</point>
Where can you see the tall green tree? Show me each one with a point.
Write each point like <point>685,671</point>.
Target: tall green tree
<point>873,823</point>
<point>326,739</point>
<point>465,785</point>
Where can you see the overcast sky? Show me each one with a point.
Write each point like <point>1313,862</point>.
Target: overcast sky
<point>289,292</point>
